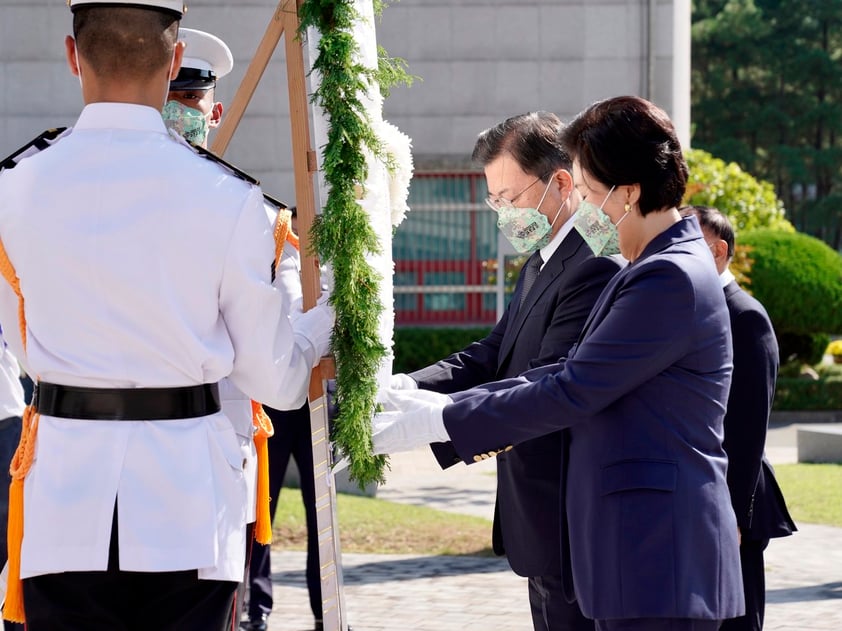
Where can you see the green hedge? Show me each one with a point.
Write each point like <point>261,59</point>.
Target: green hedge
<point>419,347</point>
<point>799,393</point>
<point>798,279</point>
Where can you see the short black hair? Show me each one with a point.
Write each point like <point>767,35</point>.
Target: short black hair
<point>532,139</point>
<point>713,219</point>
<point>131,43</point>
<point>628,140</point>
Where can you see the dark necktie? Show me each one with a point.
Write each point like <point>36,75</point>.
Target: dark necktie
<point>530,273</point>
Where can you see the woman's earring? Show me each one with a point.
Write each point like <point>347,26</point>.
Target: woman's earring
<point>627,207</point>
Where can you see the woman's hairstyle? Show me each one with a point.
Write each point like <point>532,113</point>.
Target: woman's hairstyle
<point>532,139</point>
<point>628,140</point>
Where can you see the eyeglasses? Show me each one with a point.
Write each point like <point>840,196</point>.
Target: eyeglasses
<point>497,202</point>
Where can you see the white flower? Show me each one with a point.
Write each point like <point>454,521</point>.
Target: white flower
<point>398,148</point>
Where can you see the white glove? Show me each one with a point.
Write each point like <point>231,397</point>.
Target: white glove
<point>314,327</point>
<point>402,381</point>
<point>326,279</point>
<point>413,418</point>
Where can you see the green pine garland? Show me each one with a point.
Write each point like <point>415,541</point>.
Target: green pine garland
<point>343,235</point>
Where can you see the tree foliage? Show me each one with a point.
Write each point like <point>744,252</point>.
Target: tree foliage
<point>748,202</point>
<point>767,94</point>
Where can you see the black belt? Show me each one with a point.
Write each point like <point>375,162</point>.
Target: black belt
<point>126,404</point>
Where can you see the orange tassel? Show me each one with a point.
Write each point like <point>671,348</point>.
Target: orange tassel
<point>283,233</point>
<point>263,431</point>
<point>21,462</point>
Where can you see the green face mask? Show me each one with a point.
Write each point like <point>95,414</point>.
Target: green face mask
<point>526,228</point>
<point>596,227</point>
<point>187,122</point>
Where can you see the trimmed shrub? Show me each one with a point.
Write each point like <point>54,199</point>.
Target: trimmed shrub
<point>419,347</point>
<point>807,347</point>
<point>798,279</point>
<point>748,202</point>
<point>794,393</point>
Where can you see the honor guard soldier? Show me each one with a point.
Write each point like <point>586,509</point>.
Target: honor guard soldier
<point>191,109</point>
<point>138,273</point>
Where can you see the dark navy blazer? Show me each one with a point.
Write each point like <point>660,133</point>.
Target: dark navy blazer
<point>527,513</point>
<point>652,531</point>
<point>755,494</point>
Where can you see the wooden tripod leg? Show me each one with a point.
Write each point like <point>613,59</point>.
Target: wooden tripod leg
<point>255,71</point>
<point>330,555</point>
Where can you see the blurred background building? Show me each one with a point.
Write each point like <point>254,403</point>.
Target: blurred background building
<point>477,62</point>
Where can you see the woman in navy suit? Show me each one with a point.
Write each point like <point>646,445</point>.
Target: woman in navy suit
<point>652,535</point>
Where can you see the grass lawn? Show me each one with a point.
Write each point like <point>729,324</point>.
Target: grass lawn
<point>813,492</point>
<point>369,525</point>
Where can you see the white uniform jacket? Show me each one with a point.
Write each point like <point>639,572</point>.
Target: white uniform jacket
<point>142,265</point>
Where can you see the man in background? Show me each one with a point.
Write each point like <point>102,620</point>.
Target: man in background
<point>191,109</point>
<point>292,439</point>
<point>755,495</point>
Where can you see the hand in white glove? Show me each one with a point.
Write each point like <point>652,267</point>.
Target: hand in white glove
<point>412,419</point>
<point>402,381</point>
<point>314,326</point>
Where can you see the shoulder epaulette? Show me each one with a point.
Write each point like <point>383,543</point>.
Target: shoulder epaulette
<point>34,146</point>
<point>278,204</point>
<point>215,158</point>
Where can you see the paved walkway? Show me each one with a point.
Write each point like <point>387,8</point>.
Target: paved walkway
<point>410,593</point>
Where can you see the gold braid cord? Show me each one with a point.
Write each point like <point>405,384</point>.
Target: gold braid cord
<point>21,462</point>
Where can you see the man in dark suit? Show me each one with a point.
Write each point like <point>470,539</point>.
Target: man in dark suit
<point>757,500</point>
<point>531,189</point>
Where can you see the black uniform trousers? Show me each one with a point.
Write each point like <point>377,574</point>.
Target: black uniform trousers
<point>754,584</point>
<point>292,438</point>
<point>113,600</point>
<point>550,609</point>
<point>9,439</point>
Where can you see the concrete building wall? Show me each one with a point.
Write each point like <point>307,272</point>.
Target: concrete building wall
<point>479,62</point>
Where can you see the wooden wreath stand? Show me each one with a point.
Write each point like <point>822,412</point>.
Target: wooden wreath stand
<point>305,164</point>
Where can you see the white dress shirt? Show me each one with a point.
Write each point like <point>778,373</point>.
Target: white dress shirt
<point>142,265</point>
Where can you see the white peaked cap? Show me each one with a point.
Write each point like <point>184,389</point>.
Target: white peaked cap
<point>204,51</point>
<point>176,6</point>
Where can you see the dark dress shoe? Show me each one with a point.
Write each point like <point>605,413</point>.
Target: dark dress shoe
<point>255,624</point>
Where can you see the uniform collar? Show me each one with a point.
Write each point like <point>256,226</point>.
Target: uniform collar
<point>127,116</point>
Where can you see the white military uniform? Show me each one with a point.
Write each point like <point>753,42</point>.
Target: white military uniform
<point>143,265</point>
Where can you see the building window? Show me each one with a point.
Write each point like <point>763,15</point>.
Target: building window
<point>446,254</point>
